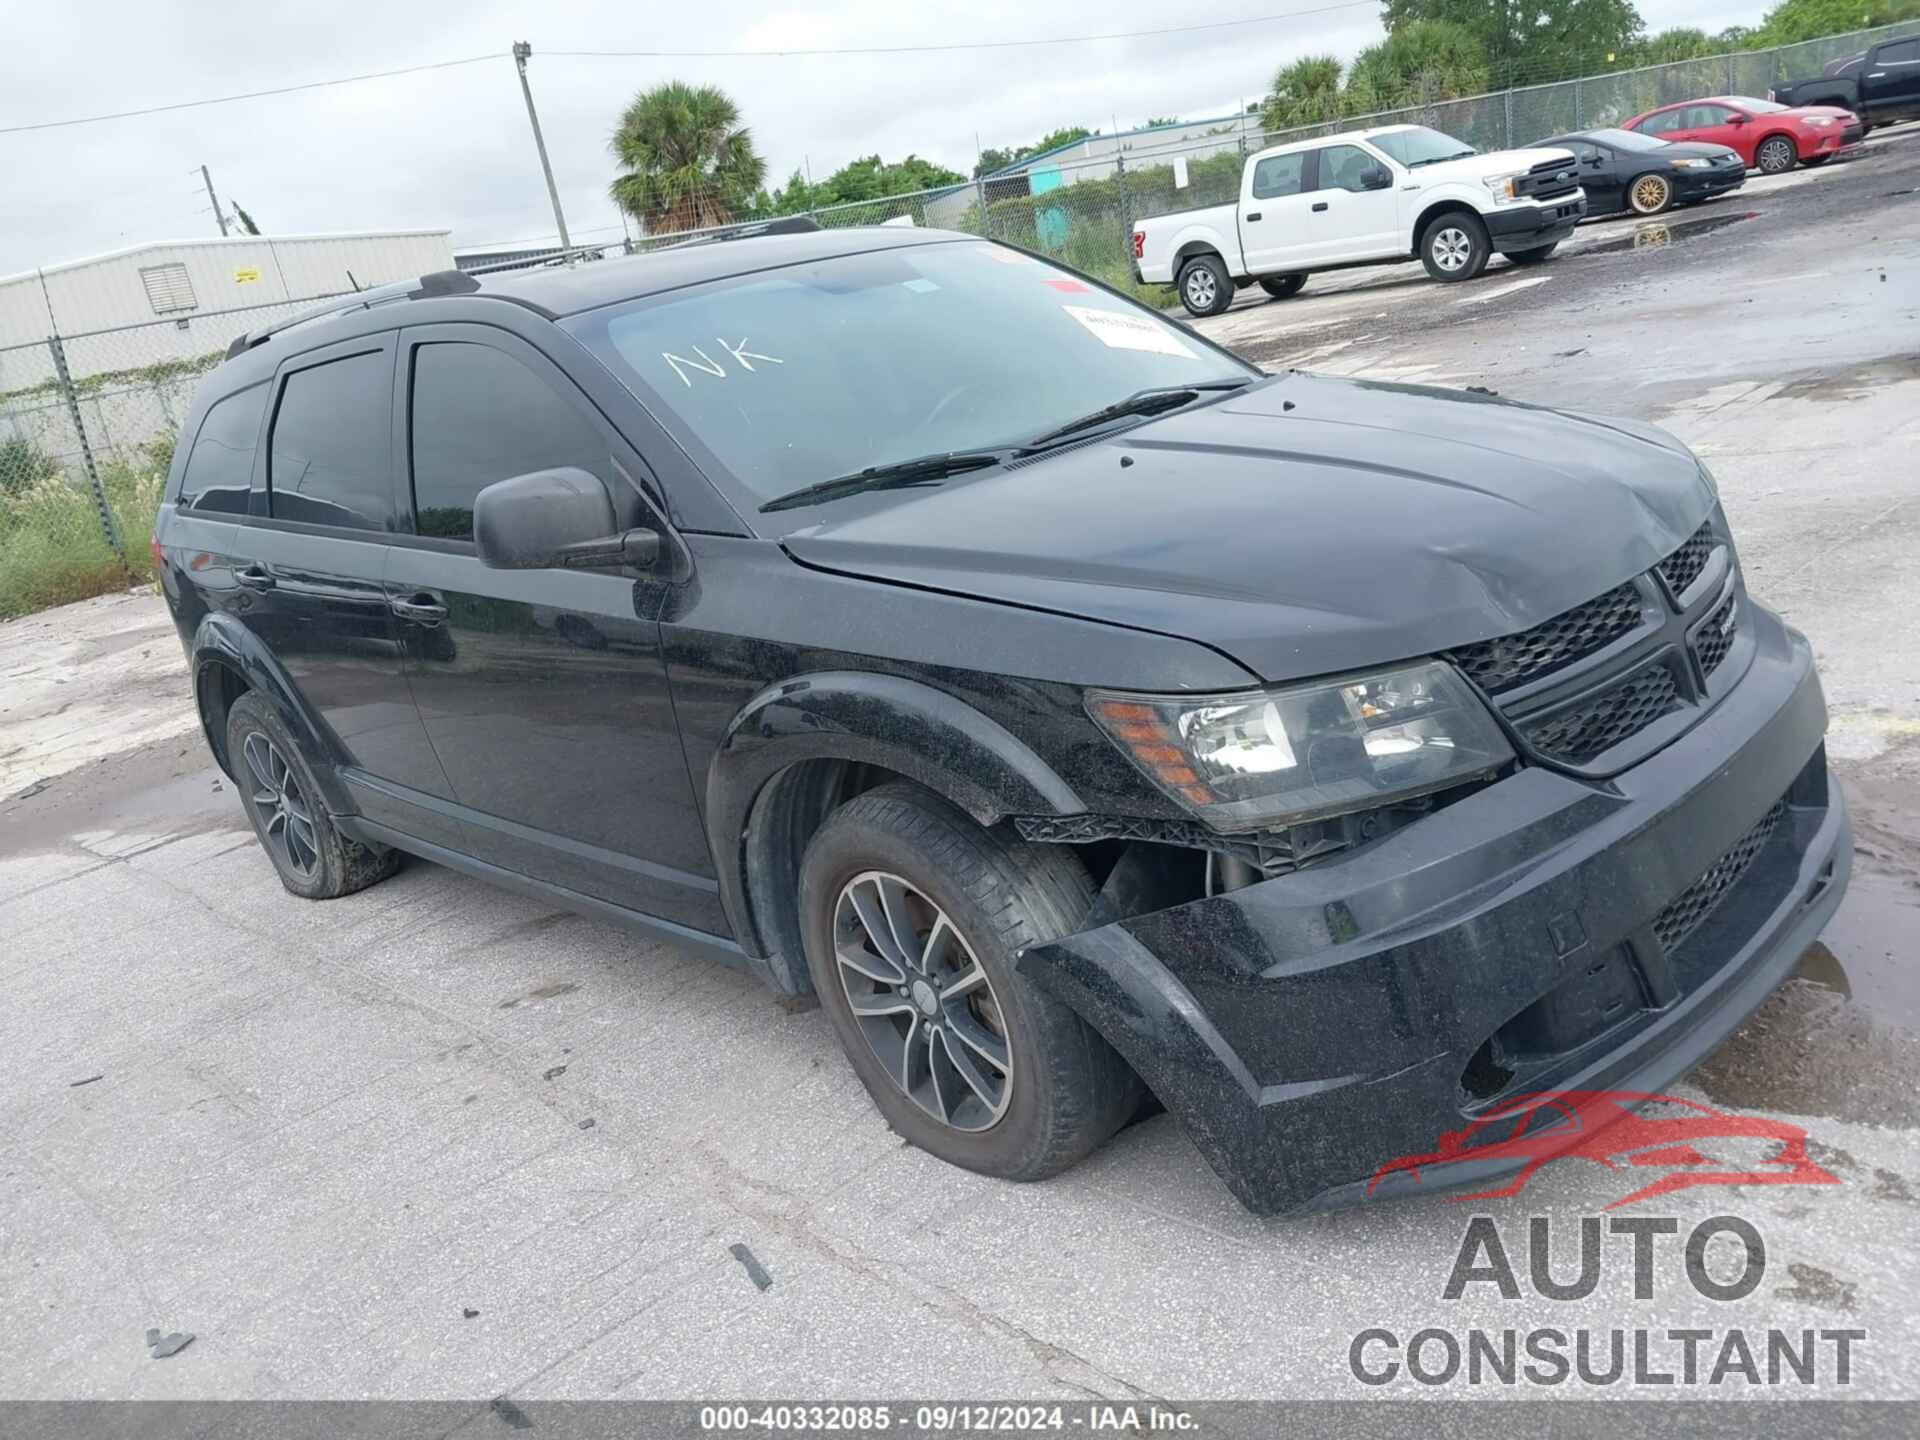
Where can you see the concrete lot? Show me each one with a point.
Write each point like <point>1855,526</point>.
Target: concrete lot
<point>437,1141</point>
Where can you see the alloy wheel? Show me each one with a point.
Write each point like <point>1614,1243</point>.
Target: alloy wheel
<point>1452,248</point>
<point>1776,156</point>
<point>1650,194</point>
<point>1201,288</point>
<point>285,815</point>
<point>922,1000</point>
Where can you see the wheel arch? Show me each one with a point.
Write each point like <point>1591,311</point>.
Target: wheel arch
<point>1786,135</point>
<point>805,745</point>
<point>228,661</point>
<point>1433,211</point>
<point>1191,250</point>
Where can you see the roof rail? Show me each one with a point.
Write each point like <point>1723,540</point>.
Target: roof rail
<point>429,286</point>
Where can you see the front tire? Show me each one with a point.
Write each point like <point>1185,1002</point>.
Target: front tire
<point>1533,256</point>
<point>1649,194</point>
<point>277,790</point>
<point>1283,287</point>
<point>1455,247</point>
<point>913,916</point>
<point>1775,156</point>
<point>1205,286</point>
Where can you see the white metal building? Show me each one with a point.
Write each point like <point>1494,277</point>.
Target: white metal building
<point>180,280</point>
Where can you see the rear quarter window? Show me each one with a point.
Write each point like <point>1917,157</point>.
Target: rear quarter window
<point>219,468</point>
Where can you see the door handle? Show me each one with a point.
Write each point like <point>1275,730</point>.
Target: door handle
<point>254,577</point>
<point>1254,216</point>
<point>422,609</point>
<point>1318,206</point>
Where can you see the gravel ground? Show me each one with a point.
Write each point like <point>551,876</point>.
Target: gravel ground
<point>439,1141</point>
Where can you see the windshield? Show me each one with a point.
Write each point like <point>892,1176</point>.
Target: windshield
<point>1626,140</point>
<point>1420,146</point>
<point>794,376</point>
<point>1758,107</point>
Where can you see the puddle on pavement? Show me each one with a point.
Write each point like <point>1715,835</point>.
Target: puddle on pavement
<point>1660,234</point>
<point>1842,1038</point>
<point>1855,382</point>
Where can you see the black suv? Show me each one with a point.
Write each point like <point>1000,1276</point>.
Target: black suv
<point>1075,710</point>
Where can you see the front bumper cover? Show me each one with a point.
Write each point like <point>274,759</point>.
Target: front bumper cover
<point>1310,1028</point>
<point>1528,227</point>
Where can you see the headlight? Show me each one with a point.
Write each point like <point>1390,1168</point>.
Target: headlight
<point>1692,164</point>
<point>1502,185</point>
<point>1259,758</point>
<point>1821,120</point>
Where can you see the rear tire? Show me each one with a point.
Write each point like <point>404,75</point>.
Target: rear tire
<point>951,901</point>
<point>1205,286</point>
<point>1776,155</point>
<point>278,792</point>
<point>1534,256</point>
<point>1455,247</point>
<point>1283,287</point>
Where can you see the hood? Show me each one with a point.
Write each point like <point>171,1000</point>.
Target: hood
<point>1306,526</point>
<point>1498,162</point>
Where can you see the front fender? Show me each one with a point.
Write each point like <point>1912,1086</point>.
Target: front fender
<point>221,640</point>
<point>913,729</point>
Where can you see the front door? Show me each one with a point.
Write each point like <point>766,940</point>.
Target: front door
<point>1600,176</point>
<point>1891,83</point>
<point>1350,220</point>
<point>543,691</point>
<point>313,549</point>
<point>1275,237</point>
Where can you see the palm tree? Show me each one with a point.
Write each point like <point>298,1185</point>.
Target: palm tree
<point>689,162</point>
<point>1306,91</point>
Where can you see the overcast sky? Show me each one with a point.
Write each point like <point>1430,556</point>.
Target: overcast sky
<point>451,148</point>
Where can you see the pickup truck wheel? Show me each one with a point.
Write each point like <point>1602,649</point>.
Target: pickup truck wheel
<point>1205,286</point>
<point>278,791</point>
<point>1775,155</point>
<point>1649,194</point>
<point>1282,287</point>
<point>1455,247</point>
<point>912,916</point>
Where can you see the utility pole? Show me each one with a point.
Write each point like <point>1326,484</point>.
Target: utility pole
<point>218,213</point>
<point>521,51</point>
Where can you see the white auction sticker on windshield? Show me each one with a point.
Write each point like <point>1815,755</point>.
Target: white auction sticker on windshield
<point>1120,331</point>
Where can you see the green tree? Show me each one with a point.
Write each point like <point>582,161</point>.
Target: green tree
<point>1668,46</point>
<point>1531,41</point>
<point>992,158</point>
<point>1418,63</point>
<point>1303,92</point>
<point>869,178</point>
<point>1794,20</point>
<point>688,161</point>
<point>246,221</point>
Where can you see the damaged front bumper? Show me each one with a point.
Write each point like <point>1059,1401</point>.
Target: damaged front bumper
<point>1545,933</point>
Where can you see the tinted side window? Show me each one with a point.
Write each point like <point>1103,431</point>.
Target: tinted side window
<point>1279,175</point>
<point>1341,167</point>
<point>1901,52</point>
<point>1660,124</point>
<point>479,416</point>
<point>220,466</point>
<point>328,462</point>
<point>1699,117</point>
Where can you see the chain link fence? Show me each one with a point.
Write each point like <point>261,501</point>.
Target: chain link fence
<point>87,429</point>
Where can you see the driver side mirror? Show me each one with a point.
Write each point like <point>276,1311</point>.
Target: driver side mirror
<point>1375,177</point>
<point>1739,119</point>
<point>555,520</point>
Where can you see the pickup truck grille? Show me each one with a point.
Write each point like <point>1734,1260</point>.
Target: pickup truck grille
<point>1580,687</point>
<point>1549,180</point>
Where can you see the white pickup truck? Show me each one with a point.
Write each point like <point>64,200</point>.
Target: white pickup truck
<point>1366,197</point>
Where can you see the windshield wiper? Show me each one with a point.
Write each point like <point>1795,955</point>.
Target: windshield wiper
<point>921,470</point>
<point>1442,159</point>
<point>1141,402</point>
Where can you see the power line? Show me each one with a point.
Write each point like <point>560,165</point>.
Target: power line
<point>957,45</point>
<point>249,95</point>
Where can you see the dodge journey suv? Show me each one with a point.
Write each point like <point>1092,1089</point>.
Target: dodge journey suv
<point>1076,711</point>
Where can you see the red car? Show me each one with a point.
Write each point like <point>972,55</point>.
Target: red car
<point>1700,1146</point>
<point>1770,138</point>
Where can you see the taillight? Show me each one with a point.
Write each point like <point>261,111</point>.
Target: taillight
<point>153,549</point>
<point>1139,244</point>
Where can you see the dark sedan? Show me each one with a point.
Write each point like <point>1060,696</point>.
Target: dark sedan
<point>1621,170</point>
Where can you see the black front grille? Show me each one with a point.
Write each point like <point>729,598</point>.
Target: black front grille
<point>1715,638</point>
<point>1549,180</point>
<point>1584,732</point>
<point>1700,899</point>
<point>1683,566</point>
<point>1510,660</point>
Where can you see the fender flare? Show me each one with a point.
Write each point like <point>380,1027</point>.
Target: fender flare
<point>1451,196</point>
<point>221,640</point>
<point>930,736</point>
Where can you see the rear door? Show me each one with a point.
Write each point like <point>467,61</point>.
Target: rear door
<point>543,691</point>
<point>308,579</point>
<point>1275,237</point>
